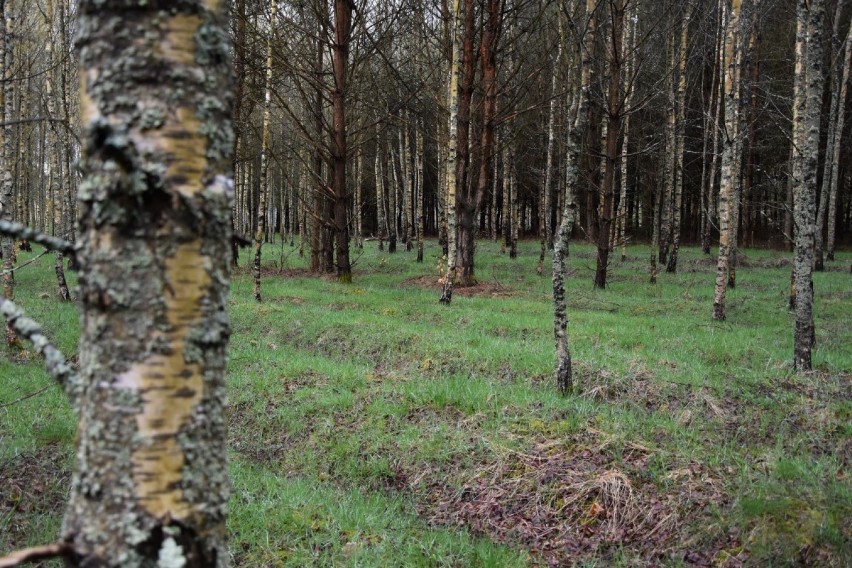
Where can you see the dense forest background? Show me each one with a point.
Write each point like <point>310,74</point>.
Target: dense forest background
<point>666,102</point>
<point>447,147</point>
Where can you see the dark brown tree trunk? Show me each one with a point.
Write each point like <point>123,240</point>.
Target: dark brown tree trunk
<point>340,63</point>
<point>463,190</point>
<point>613,131</point>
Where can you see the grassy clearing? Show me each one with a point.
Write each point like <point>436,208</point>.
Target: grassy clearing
<point>370,426</point>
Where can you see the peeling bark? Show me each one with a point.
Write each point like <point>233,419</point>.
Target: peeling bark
<point>731,46</point>
<point>452,154</point>
<point>151,479</point>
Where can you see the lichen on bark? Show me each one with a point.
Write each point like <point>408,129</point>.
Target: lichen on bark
<point>150,484</point>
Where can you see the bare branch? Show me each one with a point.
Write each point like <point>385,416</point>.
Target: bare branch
<point>24,233</point>
<point>57,365</point>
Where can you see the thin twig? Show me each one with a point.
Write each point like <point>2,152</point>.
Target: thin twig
<point>25,397</point>
<point>30,261</point>
<point>36,553</point>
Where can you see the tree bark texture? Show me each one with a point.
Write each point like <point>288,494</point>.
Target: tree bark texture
<point>578,118</point>
<point>807,102</point>
<point>340,64</point>
<point>452,154</point>
<point>6,161</point>
<point>150,486</point>
<point>726,189</point>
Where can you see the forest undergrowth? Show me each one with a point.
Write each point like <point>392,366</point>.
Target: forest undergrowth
<point>371,426</point>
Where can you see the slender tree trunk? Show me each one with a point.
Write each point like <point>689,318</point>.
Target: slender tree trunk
<point>680,103</point>
<point>613,129</point>
<point>670,163</point>
<point>836,147</point>
<point>452,153</point>
<point>380,197</point>
<point>264,156</point>
<point>57,152</point>
<point>832,140</point>
<point>712,131</point>
<point>419,152</point>
<point>629,71</point>
<point>515,217</point>
<point>151,482</point>
<point>7,243</point>
<point>340,64</point>
<point>748,175</point>
<point>358,201</point>
<point>726,193</point>
<point>577,123</point>
<point>546,233</point>
<point>392,202</point>
<point>239,88</point>
<point>806,124</point>
<point>407,184</point>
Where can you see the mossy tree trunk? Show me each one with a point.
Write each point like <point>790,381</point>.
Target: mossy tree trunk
<point>807,103</point>
<point>577,118</point>
<point>150,485</point>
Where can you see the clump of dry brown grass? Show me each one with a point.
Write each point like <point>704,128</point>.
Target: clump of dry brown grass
<point>567,499</point>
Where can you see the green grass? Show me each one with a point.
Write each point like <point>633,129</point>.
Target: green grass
<point>371,426</point>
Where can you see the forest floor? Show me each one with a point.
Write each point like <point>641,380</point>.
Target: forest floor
<point>371,426</point>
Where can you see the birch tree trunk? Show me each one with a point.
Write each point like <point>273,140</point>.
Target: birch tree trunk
<point>452,153</point>
<point>726,191</point>
<point>807,104</point>
<point>712,131</point>
<point>151,484</point>
<point>546,234</point>
<point>357,206</point>
<point>6,160</point>
<point>628,88</point>
<point>393,226</point>
<point>264,156</point>
<point>380,197</point>
<point>680,110</point>
<point>578,118</point>
<point>420,150</point>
